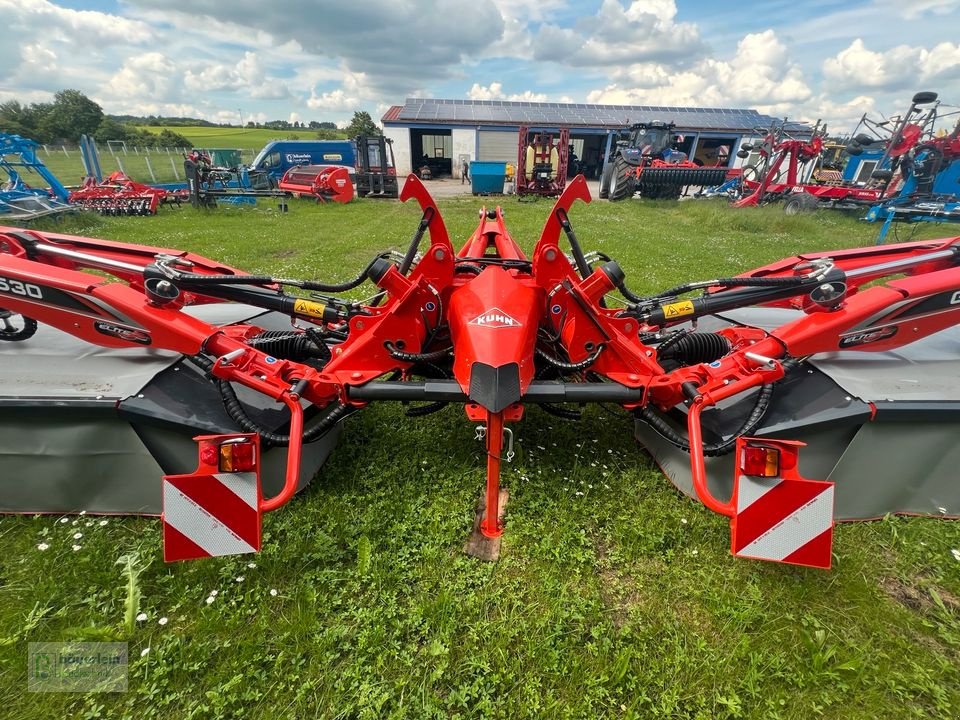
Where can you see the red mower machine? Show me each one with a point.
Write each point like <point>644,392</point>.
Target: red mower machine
<point>647,163</point>
<point>487,327</point>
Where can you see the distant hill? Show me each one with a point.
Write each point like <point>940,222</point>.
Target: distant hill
<point>214,136</point>
<point>153,121</point>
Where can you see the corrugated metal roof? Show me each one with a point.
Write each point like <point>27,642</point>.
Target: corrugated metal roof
<point>502,112</point>
<point>392,114</point>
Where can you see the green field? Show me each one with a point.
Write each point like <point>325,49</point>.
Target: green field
<point>164,165</point>
<point>226,137</point>
<point>615,597</point>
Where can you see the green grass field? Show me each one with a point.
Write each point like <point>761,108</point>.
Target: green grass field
<point>615,597</point>
<point>161,166</point>
<point>226,137</point>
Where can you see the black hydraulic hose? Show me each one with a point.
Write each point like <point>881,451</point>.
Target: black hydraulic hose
<point>570,367</point>
<point>397,354</point>
<point>561,412</point>
<point>237,413</point>
<point>200,279</point>
<point>425,221</point>
<point>723,447</point>
<point>582,267</point>
<point>411,253</point>
<point>671,341</point>
<point>725,282</point>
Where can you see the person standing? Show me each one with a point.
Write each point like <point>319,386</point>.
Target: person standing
<point>464,171</point>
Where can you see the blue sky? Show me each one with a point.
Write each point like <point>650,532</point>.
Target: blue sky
<point>309,60</point>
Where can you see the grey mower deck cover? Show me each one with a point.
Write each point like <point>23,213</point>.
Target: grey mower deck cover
<point>89,428</point>
<point>885,427</point>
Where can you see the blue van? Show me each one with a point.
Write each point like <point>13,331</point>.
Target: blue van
<point>281,155</point>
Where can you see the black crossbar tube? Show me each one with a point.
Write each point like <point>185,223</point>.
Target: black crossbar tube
<point>538,392</point>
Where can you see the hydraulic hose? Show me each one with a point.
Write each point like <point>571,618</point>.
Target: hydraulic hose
<point>582,266</point>
<point>397,354</point>
<point>570,367</point>
<point>198,279</point>
<point>723,447</point>
<point>238,414</point>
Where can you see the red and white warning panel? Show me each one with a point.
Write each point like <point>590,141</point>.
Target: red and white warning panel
<point>216,509</point>
<point>780,516</point>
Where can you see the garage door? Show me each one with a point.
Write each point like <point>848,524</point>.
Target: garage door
<point>498,146</point>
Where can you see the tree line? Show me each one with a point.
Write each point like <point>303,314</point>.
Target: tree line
<point>72,114</point>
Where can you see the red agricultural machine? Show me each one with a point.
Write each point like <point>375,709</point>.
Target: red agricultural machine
<point>487,327</point>
<point>327,183</point>
<point>542,162</point>
<point>647,163</point>
<point>790,168</point>
<point>119,195</point>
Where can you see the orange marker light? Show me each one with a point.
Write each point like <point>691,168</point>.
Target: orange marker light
<point>760,462</point>
<point>237,456</point>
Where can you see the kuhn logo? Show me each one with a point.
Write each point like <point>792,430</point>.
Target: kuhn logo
<point>495,318</point>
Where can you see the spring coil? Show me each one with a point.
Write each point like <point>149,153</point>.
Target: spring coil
<point>695,347</point>
<point>288,345</point>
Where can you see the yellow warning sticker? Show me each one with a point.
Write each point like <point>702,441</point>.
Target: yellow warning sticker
<point>308,307</point>
<point>678,309</point>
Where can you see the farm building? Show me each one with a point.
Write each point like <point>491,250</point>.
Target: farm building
<point>443,133</point>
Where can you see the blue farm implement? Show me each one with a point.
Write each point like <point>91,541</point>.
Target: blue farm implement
<point>18,199</point>
<point>931,185</point>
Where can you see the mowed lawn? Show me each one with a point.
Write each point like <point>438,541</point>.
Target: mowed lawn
<point>615,596</point>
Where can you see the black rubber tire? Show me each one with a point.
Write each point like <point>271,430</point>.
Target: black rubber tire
<point>605,179</point>
<point>924,97</point>
<point>623,183</point>
<point>750,172</point>
<point>800,203</point>
<point>854,149</point>
<point>863,139</point>
<point>9,332</point>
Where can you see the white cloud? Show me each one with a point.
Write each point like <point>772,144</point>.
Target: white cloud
<point>247,75</point>
<point>150,75</point>
<point>857,67</point>
<point>644,31</point>
<point>332,101</point>
<point>760,75</point>
<point>93,28</point>
<point>494,91</point>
